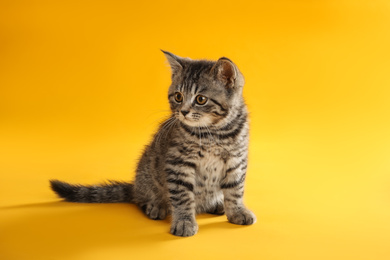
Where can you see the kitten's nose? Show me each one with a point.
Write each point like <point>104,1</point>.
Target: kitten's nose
<point>184,112</point>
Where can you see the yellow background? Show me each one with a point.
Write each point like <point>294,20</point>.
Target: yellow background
<point>83,85</point>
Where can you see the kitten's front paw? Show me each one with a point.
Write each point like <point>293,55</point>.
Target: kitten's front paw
<point>184,228</point>
<point>242,217</point>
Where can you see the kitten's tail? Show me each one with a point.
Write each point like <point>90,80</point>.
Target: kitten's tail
<point>111,192</point>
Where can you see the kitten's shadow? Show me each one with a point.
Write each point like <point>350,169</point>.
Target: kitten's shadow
<point>60,228</point>
<point>68,229</point>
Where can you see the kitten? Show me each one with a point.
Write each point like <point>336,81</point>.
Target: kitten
<point>197,160</point>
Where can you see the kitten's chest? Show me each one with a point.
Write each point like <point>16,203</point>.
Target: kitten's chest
<point>212,165</point>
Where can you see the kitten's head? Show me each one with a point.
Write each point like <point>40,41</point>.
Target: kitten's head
<point>203,92</point>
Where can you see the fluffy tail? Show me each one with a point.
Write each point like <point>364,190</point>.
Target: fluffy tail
<point>111,192</point>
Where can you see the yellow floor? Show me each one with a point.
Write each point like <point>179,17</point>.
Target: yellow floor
<point>83,85</point>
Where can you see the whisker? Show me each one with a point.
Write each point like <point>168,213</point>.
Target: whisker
<point>210,134</point>
<point>156,120</point>
<point>200,138</point>
<point>171,125</point>
<point>164,127</point>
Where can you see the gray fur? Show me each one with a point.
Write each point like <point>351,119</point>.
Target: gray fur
<point>197,160</point>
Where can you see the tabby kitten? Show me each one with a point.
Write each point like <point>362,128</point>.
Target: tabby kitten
<point>197,160</point>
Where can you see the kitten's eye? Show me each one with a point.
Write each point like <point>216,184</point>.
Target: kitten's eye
<point>201,100</point>
<point>178,97</point>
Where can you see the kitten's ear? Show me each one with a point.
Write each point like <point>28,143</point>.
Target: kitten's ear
<point>175,62</point>
<point>227,73</point>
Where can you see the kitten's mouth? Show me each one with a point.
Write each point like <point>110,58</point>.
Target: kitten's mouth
<point>189,121</point>
<point>186,119</point>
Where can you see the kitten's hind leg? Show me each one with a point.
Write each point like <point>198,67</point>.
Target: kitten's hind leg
<point>218,209</point>
<point>156,211</point>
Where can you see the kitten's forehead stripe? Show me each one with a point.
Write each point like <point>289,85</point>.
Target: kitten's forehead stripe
<point>193,72</point>
<point>196,88</point>
<point>203,88</point>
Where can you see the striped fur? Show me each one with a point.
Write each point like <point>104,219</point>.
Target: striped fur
<point>197,160</point>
